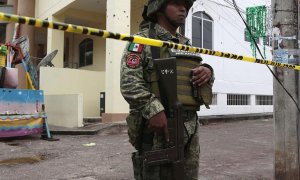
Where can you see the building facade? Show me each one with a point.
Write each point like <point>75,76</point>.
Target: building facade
<point>240,87</point>
<point>85,65</point>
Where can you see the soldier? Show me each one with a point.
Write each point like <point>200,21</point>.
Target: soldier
<point>147,122</point>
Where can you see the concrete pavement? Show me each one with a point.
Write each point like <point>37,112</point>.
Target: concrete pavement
<point>229,150</point>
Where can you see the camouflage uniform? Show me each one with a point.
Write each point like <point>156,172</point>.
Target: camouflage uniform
<point>136,70</point>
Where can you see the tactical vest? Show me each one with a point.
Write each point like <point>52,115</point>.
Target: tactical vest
<point>188,94</point>
<point>191,97</point>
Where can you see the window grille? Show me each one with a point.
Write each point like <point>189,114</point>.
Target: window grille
<point>238,99</point>
<point>214,99</point>
<point>263,100</point>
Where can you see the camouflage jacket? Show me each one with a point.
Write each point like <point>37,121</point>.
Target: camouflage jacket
<point>136,67</point>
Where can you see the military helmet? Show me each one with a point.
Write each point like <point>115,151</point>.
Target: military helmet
<point>155,5</point>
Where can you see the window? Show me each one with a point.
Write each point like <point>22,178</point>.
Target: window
<point>202,30</point>
<point>214,99</point>
<point>86,52</point>
<point>263,100</point>
<point>238,99</point>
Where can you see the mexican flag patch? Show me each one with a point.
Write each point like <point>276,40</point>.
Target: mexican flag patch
<point>138,48</point>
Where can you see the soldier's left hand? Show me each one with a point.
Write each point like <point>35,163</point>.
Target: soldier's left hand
<point>201,75</point>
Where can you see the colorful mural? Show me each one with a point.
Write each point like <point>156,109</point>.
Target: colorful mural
<point>20,125</point>
<point>21,112</point>
<point>17,101</point>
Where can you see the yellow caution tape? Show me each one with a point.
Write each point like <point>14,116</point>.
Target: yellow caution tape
<point>136,39</point>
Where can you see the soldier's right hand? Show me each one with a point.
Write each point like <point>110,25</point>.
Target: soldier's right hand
<point>159,123</point>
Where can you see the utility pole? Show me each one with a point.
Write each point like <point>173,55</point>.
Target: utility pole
<point>286,114</point>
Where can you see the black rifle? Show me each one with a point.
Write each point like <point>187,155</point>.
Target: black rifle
<point>173,152</point>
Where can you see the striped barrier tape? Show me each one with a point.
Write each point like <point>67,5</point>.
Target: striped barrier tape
<point>135,39</point>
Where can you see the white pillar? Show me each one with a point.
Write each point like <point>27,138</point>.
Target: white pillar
<point>56,41</point>
<point>27,9</point>
<point>11,26</point>
<point>118,20</point>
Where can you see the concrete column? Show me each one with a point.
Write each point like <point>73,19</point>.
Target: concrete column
<point>118,20</point>
<point>27,8</point>
<point>56,41</point>
<point>10,27</point>
<point>286,112</point>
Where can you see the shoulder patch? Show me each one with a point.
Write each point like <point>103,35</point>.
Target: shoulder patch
<point>133,47</point>
<point>133,60</point>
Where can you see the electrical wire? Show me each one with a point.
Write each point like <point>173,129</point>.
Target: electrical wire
<point>232,5</point>
<point>227,17</point>
<point>220,4</point>
<point>225,29</point>
<point>252,37</point>
<point>269,23</point>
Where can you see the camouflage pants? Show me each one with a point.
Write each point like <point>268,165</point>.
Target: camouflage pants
<point>164,172</point>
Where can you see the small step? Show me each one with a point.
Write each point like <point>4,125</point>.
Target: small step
<point>91,120</point>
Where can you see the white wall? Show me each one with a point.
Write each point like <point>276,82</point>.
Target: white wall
<point>44,8</point>
<point>118,20</point>
<point>233,76</point>
<point>222,108</point>
<point>59,81</point>
<point>65,110</point>
<point>98,51</point>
